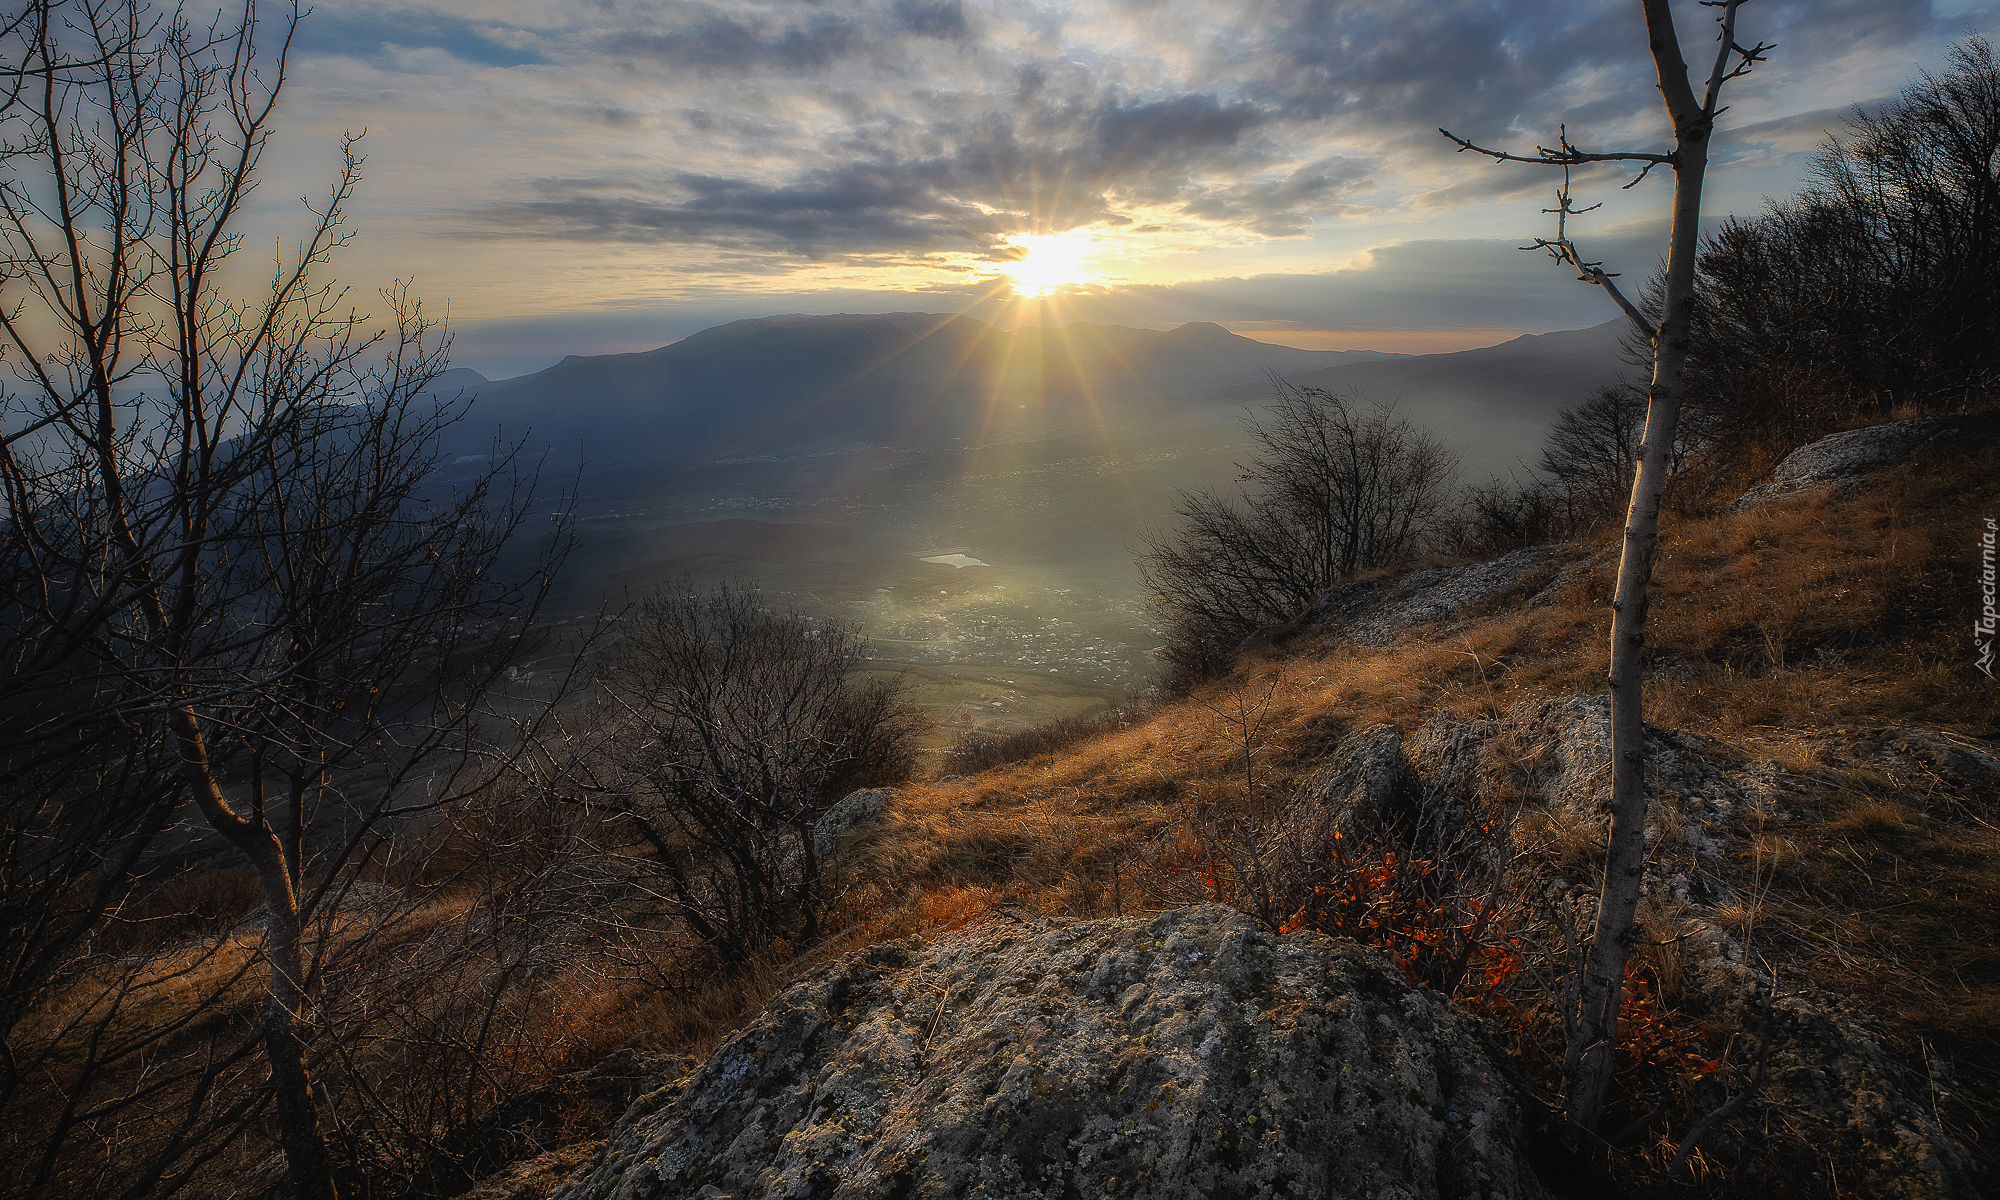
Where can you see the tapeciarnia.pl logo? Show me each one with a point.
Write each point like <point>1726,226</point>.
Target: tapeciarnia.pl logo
<point>1982,629</point>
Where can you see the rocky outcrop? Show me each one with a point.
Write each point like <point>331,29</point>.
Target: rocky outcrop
<point>1190,1054</point>
<point>1184,1055</point>
<point>1365,784</point>
<point>1377,785</point>
<point>1841,459</point>
<point>855,811</point>
<point>1377,611</point>
<point>1830,1078</point>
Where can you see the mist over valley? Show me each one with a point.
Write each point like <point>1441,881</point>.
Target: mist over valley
<point>842,462</point>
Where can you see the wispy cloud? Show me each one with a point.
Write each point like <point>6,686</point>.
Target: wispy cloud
<point>774,138</point>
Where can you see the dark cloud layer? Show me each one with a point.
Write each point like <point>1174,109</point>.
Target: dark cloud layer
<point>717,43</point>
<point>858,208</point>
<point>1058,160</point>
<point>1269,117</point>
<point>944,21</point>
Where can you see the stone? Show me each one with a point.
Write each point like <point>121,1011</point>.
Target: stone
<point>1376,611</point>
<point>851,812</point>
<point>1364,785</point>
<point>1841,459</point>
<point>1183,1055</point>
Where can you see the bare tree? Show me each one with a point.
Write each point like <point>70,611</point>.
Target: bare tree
<point>1332,489</point>
<point>1593,1043</point>
<point>239,583</point>
<point>1504,515</point>
<point>1592,450</point>
<point>746,730</point>
<point>1879,285</point>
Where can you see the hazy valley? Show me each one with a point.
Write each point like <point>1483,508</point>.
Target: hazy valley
<point>827,458</point>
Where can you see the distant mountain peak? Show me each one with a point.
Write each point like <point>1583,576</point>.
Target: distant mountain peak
<point>1204,331</point>
<point>721,338</point>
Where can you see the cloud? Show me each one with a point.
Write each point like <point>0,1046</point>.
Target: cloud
<point>1050,118</point>
<point>1062,156</point>
<point>716,43</point>
<point>859,207</point>
<point>377,37</point>
<point>1799,133</point>
<point>1430,284</point>
<point>944,20</point>
<point>768,137</point>
<point>1176,126</point>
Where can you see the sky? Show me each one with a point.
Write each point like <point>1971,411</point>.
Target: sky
<point>612,175</point>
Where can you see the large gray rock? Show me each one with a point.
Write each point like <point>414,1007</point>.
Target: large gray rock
<point>1184,1055</point>
<point>1364,785</point>
<point>1379,610</point>
<point>1841,459</point>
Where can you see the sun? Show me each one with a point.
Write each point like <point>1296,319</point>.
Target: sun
<point>1050,261</point>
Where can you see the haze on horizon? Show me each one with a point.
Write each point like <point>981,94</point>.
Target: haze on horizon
<point>615,176</point>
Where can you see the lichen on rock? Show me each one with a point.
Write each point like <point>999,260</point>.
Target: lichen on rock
<point>1182,1055</point>
<point>1376,611</point>
<point>1841,459</point>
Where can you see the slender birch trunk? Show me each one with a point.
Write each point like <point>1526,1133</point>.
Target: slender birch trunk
<point>1593,1041</point>
<point>1592,1053</point>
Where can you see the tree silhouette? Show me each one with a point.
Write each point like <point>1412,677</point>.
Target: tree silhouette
<point>236,580</point>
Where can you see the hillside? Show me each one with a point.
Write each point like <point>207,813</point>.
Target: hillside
<point>1419,766</point>
<point>1825,849</point>
<point>793,387</point>
<point>1492,405</point>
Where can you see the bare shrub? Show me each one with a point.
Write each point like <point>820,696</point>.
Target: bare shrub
<point>1500,516</point>
<point>975,752</point>
<point>1332,489</point>
<point>233,584</point>
<point>743,730</point>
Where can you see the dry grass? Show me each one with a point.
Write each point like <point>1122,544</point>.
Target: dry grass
<point>1769,628</point>
<point>1892,901</point>
<point>1788,634</point>
<point>1781,635</point>
<point>183,906</point>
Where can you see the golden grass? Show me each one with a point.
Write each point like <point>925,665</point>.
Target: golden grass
<point>1769,627</point>
<point>1781,635</point>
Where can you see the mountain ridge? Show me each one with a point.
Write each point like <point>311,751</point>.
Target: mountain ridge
<point>916,380</point>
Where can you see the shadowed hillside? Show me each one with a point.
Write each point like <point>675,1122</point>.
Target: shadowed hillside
<point>787,385</point>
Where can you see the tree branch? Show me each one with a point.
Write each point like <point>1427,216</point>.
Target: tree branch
<point>1726,45</point>
<point>1565,155</point>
